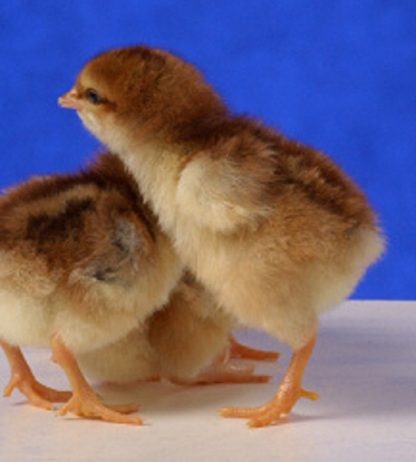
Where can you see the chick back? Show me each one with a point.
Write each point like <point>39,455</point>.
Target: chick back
<point>90,222</point>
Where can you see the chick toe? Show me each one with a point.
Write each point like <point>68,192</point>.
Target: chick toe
<point>240,351</point>
<point>226,373</point>
<point>23,379</point>
<point>27,387</point>
<point>84,401</point>
<point>288,393</point>
<point>271,412</point>
<point>124,408</point>
<point>278,407</point>
<point>88,406</point>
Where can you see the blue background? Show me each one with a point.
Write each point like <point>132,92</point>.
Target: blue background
<point>338,75</point>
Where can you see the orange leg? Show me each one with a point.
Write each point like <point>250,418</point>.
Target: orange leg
<point>23,379</point>
<point>240,351</point>
<point>84,401</point>
<point>287,394</point>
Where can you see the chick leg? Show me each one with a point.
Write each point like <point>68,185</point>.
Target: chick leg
<point>23,379</point>
<point>84,401</point>
<point>288,392</point>
<point>240,351</point>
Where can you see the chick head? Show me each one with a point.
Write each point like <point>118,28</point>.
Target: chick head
<point>140,91</point>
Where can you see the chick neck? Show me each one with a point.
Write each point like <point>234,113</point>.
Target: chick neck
<point>156,167</point>
<point>156,158</point>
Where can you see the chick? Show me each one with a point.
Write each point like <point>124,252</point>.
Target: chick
<point>186,342</point>
<point>82,264</point>
<point>179,342</point>
<point>271,227</point>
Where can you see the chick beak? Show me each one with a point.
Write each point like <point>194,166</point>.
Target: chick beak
<point>70,100</point>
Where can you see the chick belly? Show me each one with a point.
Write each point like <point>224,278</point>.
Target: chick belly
<point>282,308</point>
<point>185,342</point>
<point>264,288</point>
<point>185,362</point>
<point>28,321</point>
<point>87,331</point>
<point>247,287</point>
<point>24,320</point>
<point>129,359</point>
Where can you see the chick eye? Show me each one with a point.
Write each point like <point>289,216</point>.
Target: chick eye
<point>92,96</point>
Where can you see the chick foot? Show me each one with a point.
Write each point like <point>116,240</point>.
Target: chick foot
<point>278,407</point>
<point>239,351</point>
<point>23,379</point>
<point>37,394</point>
<point>86,404</point>
<point>288,393</point>
<point>224,373</point>
<point>84,401</point>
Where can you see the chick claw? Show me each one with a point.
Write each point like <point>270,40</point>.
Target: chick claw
<point>90,407</point>
<point>271,412</point>
<point>37,394</point>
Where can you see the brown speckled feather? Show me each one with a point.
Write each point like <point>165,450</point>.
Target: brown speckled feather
<point>77,230</point>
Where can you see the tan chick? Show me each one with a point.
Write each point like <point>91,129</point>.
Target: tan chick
<point>185,342</point>
<point>271,227</point>
<point>82,264</point>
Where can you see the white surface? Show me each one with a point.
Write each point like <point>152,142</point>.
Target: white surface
<point>364,368</point>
